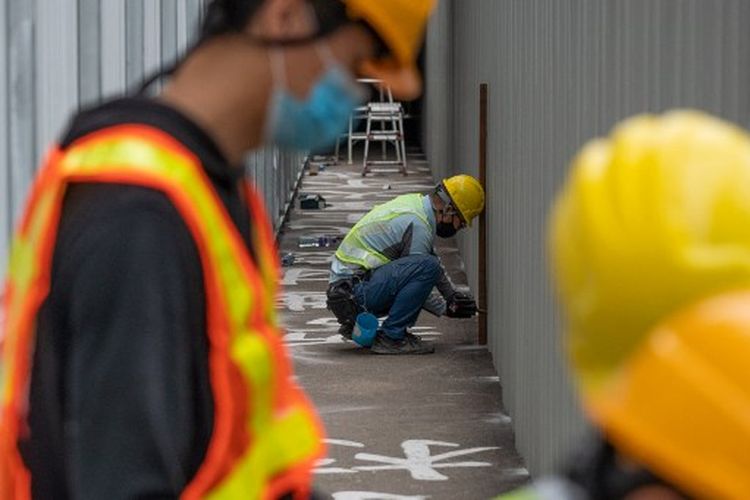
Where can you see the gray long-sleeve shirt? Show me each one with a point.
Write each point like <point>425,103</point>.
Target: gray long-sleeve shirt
<point>406,234</point>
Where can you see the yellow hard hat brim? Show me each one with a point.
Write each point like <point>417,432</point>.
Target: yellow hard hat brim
<point>405,82</point>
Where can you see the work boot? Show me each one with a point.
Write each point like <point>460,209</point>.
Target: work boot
<point>346,330</point>
<point>410,344</point>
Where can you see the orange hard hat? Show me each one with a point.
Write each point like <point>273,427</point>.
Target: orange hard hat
<point>681,404</point>
<point>401,25</point>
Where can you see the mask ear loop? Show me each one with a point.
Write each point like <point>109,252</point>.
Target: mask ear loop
<point>278,68</point>
<point>326,54</point>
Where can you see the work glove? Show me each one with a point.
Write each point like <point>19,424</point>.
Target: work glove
<point>461,305</point>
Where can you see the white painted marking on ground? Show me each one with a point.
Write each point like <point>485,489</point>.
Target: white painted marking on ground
<point>515,472</point>
<point>498,418</point>
<point>302,301</point>
<point>419,462</point>
<point>295,340</point>
<point>297,357</point>
<point>329,321</point>
<point>343,442</point>
<point>371,495</point>
<point>321,466</point>
<point>293,276</point>
<point>344,409</point>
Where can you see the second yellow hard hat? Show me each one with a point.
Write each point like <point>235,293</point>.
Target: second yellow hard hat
<point>649,220</point>
<point>650,241</point>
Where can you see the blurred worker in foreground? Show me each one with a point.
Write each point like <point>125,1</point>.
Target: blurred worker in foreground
<point>650,240</point>
<point>386,264</point>
<point>141,356</point>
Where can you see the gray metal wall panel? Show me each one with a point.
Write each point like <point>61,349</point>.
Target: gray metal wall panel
<point>438,97</point>
<point>561,72</point>
<point>152,47</point>
<point>184,28</point>
<point>21,101</point>
<point>134,33</point>
<point>56,68</point>
<point>89,46</point>
<point>61,55</point>
<point>113,48</point>
<point>168,32</point>
<point>5,206</point>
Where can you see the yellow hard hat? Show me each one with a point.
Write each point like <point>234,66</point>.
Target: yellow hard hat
<point>650,219</point>
<point>466,194</point>
<point>681,404</point>
<point>401,25</point>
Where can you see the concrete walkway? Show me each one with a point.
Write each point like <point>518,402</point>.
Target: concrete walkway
<point>399,427</point>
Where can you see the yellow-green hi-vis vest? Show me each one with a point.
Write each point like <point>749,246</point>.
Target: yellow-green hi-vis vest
<point>355,248</point>
<point>266,436</point>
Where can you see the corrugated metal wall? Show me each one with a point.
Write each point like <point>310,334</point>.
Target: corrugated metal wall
<point>561,72</point>
<point>60,55</point>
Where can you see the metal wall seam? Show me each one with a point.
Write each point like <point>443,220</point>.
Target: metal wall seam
<point>168,32</point>
<point>113,48</point>
<point>89,51</point>
<point>56,72</point>
<point>21,101</point>
<point>152,47</point>
<point>183,31</point>
<point>134,43</point>
<point>5,200</point>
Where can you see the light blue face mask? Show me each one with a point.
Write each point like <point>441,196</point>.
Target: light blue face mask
<point>315,123</point>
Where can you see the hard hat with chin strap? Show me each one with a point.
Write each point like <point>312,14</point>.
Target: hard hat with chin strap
<point>466,195</point>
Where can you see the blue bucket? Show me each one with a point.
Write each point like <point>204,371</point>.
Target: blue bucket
<point>365,329</point>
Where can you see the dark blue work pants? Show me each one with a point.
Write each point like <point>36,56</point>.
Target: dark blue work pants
<point>399,289</point>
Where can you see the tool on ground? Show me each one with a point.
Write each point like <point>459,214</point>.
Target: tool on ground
<point>341,302</point>
<point>317,241</point>
<point>311,201</point>
<point>287,260</point>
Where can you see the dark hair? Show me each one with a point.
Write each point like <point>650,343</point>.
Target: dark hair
<point>225,16</point>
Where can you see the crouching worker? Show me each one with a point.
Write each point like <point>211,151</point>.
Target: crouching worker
<point>650,241</point>
<point>387,265</point>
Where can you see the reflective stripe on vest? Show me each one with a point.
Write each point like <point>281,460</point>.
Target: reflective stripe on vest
<point>266,436</point>
<point>355,250</point>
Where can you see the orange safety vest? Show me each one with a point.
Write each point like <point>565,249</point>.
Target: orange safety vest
<point>266,436</point>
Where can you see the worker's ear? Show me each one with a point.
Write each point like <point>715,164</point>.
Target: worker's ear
<point>283,20</point>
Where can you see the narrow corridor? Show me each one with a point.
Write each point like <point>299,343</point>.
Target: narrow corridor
<point>401,427</point>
